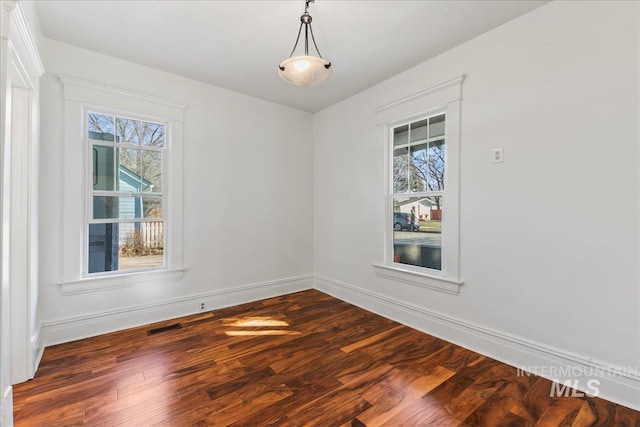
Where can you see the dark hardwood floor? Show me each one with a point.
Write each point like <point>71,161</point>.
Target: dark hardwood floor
<point>304,359</point>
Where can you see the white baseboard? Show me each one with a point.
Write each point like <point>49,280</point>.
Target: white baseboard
<point>6,407</point>
<point>616,384</point>
<point>89,325</point>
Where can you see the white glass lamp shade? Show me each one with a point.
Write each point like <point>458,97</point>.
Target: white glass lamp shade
<point>305,71</point>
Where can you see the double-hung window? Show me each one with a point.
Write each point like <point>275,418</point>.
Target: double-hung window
<point>122,188</point>
<point>418,191</point>
<point>125,221</point>
<point>422,151</point>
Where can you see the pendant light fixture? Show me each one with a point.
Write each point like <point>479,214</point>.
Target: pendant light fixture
<point>305,71</point>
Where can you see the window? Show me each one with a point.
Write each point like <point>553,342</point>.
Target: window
<point>418,188</point>
<point>122,188</point>
<point>125,211</point>
<point>422,150</point>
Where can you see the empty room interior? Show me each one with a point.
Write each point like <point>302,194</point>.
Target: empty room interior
<point>320,213</point>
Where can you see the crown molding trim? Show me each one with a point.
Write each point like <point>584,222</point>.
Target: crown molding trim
<point>17,18</point>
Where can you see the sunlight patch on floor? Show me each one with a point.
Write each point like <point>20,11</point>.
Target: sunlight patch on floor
<point>263,332</point>
<point>255,322</point>
<point>251,326</point>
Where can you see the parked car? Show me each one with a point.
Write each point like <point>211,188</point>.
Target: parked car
<point>402,221</point>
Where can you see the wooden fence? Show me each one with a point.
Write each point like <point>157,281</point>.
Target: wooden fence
<point>152,234</point>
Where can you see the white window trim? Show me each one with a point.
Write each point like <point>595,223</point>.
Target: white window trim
<point>445,97</point>
<point>417,278</point>
<point>79,96</point>
<point>99,283</point>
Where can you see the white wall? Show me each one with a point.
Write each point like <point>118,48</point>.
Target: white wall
<point>549,239</point>
<point>247,200</point>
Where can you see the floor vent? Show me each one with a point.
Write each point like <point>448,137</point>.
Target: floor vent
<point>164,329</point>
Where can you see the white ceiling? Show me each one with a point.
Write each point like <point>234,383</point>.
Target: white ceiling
<point>237,44</point>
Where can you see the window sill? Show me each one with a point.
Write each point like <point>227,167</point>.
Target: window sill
<point>440,284</point>
<point>100,283</point>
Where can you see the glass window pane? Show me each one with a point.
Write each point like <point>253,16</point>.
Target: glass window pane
<point>104,169</point>
<point>107,207</point>
<point>152,134</point>
<point>417,231</point>
<point>103,247</point>
<point>151,207</point>
<point>436,165</point>
<point>100,127</point>
<point>400,170</point>
<point>130,174</point>
<point>125,207</point>
<point>418,167</point>
<point>141,245</point>
<point>127,246</point>
<point>151,171</point>
<point>128,130</point>
<point>401,135</point>
<point>110,207</point>
<point>419,130</point>
<point>436,126</point>
<point>140,133</point>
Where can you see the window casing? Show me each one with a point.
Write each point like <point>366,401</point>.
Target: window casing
<point>163,205</point>
<point>422,158</point>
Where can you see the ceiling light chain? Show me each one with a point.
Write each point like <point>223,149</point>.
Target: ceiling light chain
<point>306,71</point>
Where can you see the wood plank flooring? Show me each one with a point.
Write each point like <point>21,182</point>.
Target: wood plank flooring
<point>304,359</point>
